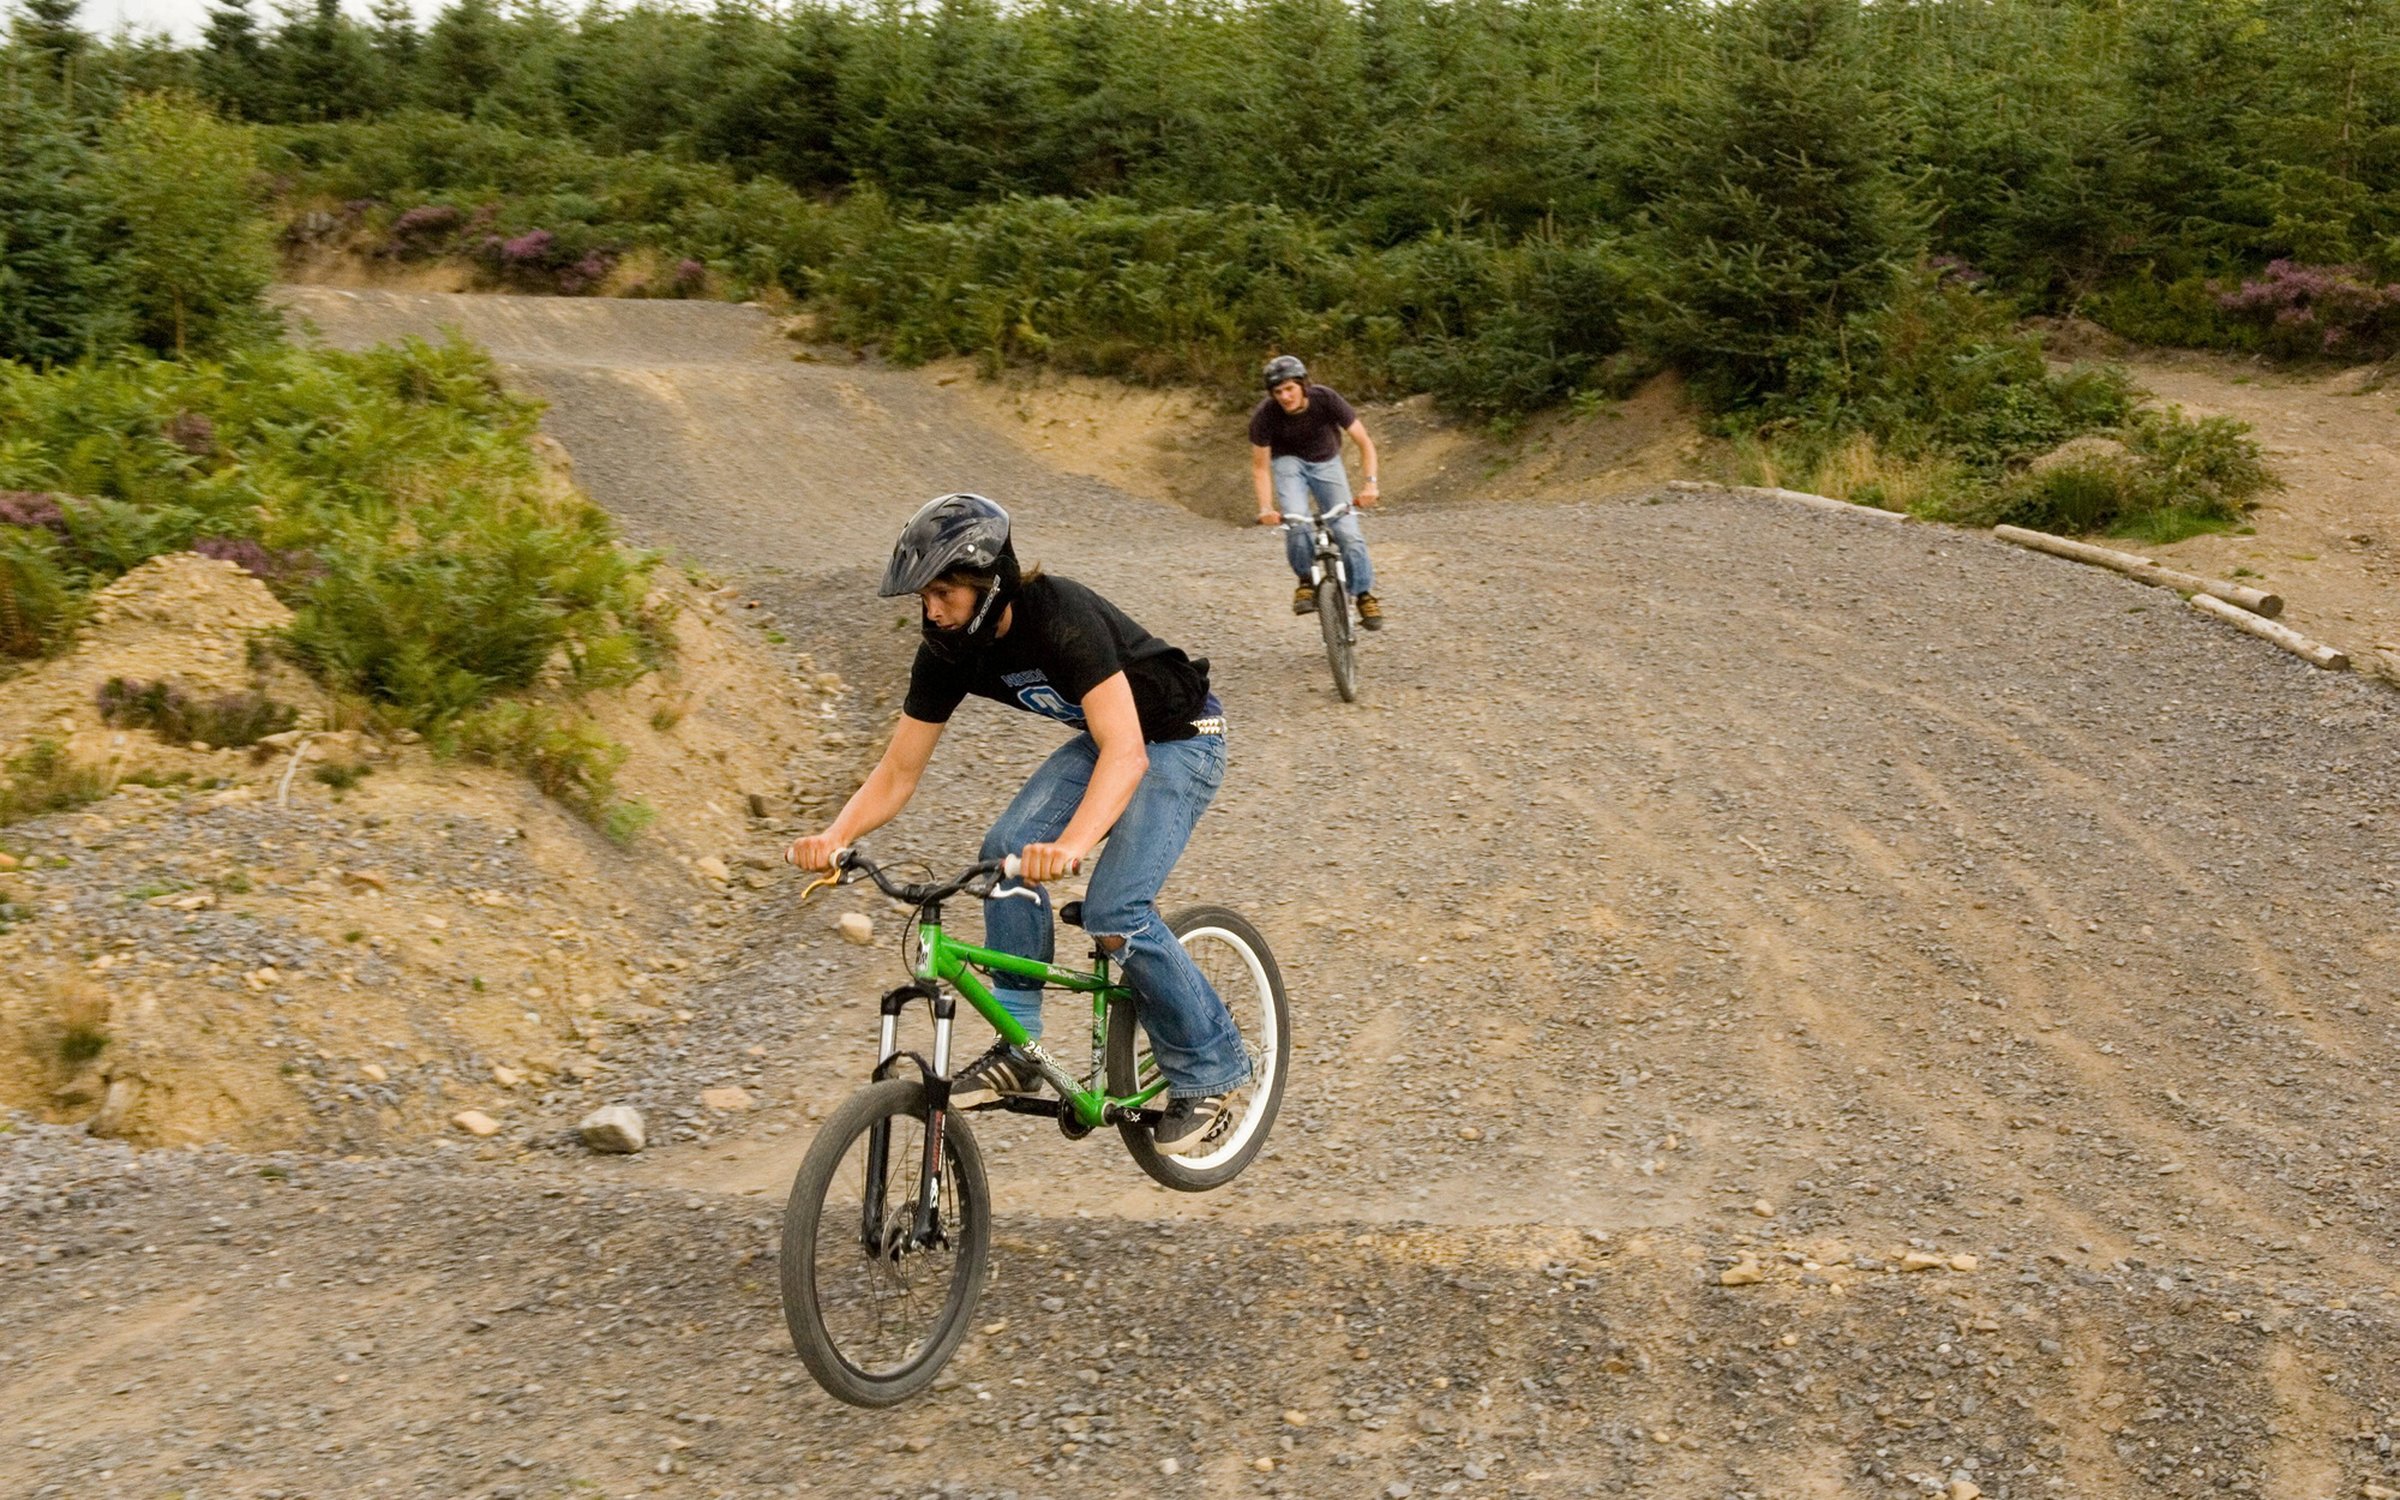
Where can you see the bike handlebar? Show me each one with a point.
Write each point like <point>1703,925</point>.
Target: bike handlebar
<point>853,861</point>
<point>1325,517</point>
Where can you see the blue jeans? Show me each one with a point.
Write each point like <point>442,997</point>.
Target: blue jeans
<point>1191,1033</point>
<point>1297,482</point>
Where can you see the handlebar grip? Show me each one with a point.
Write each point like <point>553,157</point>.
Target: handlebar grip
<point>1012,867</point>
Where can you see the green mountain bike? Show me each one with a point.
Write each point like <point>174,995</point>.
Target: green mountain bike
<point>888,1229</point>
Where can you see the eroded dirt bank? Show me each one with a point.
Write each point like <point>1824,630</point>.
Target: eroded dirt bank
<point>1698,882</point>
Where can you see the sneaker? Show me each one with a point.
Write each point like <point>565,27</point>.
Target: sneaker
<point>1304,599</point>
<point>1370,611</point>
<point>1191,1123</point>
<point>1000,1073</point>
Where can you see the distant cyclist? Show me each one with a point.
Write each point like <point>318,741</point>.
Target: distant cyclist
<point>1296,460</point>
<point>1147,760</point>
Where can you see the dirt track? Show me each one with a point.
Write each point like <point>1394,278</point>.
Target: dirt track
<point>1697,880</point>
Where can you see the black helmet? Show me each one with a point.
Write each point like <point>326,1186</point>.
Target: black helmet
<point>956,534</point>
<point>1284,367</point>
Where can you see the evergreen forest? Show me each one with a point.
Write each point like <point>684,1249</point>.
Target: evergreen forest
<point>1831,218</point>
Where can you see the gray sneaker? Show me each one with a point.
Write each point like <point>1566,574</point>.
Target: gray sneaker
<point>1001,1072</point>
<point>1190,1124</point>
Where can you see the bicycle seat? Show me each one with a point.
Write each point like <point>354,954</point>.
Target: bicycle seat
<point>1071,914</point>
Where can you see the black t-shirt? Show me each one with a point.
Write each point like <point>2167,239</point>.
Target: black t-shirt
<point>1064,641</point>
<point>1314,434</point>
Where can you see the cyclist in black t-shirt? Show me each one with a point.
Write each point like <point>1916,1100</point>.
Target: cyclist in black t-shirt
<point>1147,758</point>
<point>1296,461</point>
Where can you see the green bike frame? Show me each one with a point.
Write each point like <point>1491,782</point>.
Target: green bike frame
<point>943,961</point>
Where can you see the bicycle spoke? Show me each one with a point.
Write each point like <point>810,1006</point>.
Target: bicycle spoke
<point>881,1307</point>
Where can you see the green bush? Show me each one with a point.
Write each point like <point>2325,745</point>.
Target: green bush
<point>62,286</point>
<point>1942,368</point>
<point>219,720</point>
<point>2171,477</point>
<point>433,183</point>
<point>2185,313</point>
<point>195,254</point>
<point>441,567</point>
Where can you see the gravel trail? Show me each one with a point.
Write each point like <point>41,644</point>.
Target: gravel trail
<point>1698,883</point>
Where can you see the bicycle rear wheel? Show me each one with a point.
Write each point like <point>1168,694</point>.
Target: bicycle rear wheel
<point>873,1314</point>
<point>1235,961</point>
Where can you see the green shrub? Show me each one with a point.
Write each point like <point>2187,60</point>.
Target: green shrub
<point>62,285</point>
<point>220,720</point>
<point>2172,477</point>
<point>2184,313</point>
<point>80,1041</point>
<point>38,604</point>
<point>341,775</point>
<point>437,184</point>
<point>432,565</point>
<point>1942,368</point>
<point>45,779</point>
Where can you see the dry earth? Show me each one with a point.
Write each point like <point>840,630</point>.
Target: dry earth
<point>1699,883</point>
<point>2330,539</point>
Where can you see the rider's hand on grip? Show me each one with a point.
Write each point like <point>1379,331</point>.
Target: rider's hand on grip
<point>816,851</point>
<point>1044,862</point>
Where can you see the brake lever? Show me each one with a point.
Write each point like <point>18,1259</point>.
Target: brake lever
<point>1021,892</point>
<point>832,877</point>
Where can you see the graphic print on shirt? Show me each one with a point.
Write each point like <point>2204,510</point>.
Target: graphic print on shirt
<point>1036,694</point>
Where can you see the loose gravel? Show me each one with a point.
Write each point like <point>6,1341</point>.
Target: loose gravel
<point>1698,885</point>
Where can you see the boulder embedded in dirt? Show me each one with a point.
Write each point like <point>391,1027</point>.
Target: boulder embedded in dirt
<point>615,1129</point>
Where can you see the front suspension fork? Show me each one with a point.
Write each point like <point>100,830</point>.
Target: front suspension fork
<point>925,1227</point>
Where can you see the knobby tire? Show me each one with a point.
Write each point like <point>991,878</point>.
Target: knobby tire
<point>1333,618</point>
<point>827,1272</point>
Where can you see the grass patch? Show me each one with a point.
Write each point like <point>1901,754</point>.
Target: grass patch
<point>625,821</point>
<point>565,755</point>
<point>82,1027</point>
<point>45,779</point>
<point>341,776</point>
<point>220,720</point>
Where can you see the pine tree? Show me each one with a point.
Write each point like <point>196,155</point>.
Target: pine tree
<point>233,62</point>
<point>62,292</point>
<point>47,31</point>
<point>397,47</point>
<point>1784,217</point>
<point>464,56</point>
<point>320,63</point>
<point>195,250</point>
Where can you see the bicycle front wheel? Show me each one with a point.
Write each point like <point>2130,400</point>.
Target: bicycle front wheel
<point>1235,961</point>
<point>1333,620</point>
<point>875,1309</point>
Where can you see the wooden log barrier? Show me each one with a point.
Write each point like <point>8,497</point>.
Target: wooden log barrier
<point>2315,652</point>
<point>2141,569</point>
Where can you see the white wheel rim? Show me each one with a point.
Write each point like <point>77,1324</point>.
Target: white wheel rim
<point>1262,1038</point>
